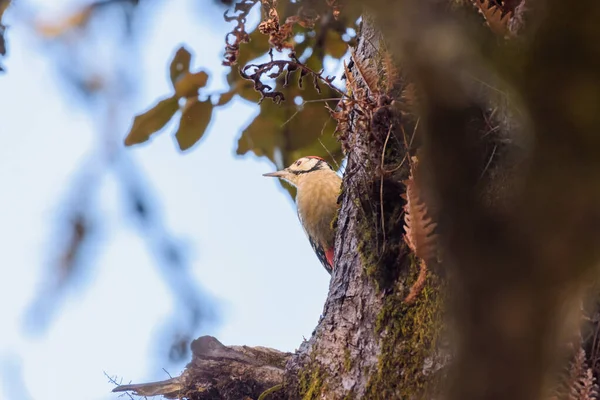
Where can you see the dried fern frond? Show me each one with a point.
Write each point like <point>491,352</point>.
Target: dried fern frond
<point>494,19</point>
<point>419,284</point>
<point>418,226</point>
<point>368,73</point>
<point>390,71</point>
<point>580,383</point>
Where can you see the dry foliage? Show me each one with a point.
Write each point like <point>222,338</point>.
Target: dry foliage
<point>239,34</point>
<point>579,382</point>
<point>275,68</point>
<point>278,33</point>
<point>419,227</point>
<point>496,18</point>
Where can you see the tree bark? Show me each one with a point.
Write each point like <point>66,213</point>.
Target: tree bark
<point>220,372</point>
<point>369,342</point>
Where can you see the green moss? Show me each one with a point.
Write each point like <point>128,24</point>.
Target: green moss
<point>311,379</point>
<point>269,391</point>
<point>347,360</point>
<point>409,336</point>
<point>311,383</point>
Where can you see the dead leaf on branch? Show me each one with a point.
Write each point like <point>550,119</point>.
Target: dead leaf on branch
<point>276,68</point>
<point>279,34</point>
<point>239,34</point>
<point>494,18</point>
<point>194,120</point>
<point>151,121</point>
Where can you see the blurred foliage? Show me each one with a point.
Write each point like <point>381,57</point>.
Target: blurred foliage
<point>282,132</point>
<point>98,65</point>
<point>195,114</point>
<point>3,6</point>
<point>297,50</point>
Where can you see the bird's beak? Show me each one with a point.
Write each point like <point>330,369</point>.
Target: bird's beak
<point>276,174</point>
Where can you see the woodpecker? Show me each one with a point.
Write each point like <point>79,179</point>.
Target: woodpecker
<point>318,187</point>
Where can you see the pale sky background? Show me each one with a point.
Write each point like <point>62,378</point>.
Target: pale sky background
<point>240,230</point>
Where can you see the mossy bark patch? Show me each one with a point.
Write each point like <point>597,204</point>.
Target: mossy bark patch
<point>409,334</point>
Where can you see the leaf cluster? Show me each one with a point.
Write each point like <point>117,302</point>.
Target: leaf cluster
<point>284,130</point>
<point>194,114</point>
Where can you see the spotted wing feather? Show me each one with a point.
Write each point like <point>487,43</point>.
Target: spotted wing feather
<point>321,254</point>
<point>324,255</point>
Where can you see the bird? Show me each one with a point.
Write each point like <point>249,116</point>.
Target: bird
<point>318,188</point>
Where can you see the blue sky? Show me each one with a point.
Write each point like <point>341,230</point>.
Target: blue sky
<point>244,242</point>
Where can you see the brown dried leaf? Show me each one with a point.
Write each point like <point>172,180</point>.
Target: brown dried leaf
<point>188,84</point>
<point>239,34</point>
<point>492,14</point>
<point>336,8</point>
<point>180,64</point>
<point>194,120</point>
<point>390,70</point>
<point>151,121</point>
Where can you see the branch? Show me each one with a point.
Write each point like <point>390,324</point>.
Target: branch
<point>219,371</point>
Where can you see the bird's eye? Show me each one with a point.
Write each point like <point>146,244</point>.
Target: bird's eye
<point>298,162</point>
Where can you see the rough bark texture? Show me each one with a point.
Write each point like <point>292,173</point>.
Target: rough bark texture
<point>369,342</point>
<point>220,372</point>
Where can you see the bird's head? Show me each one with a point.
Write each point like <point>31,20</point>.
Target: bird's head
<point>301,169</point>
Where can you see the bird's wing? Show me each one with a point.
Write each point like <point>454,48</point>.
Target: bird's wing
<point>325,256</point>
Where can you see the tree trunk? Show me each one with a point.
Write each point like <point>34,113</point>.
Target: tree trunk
<point>370,342</point>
